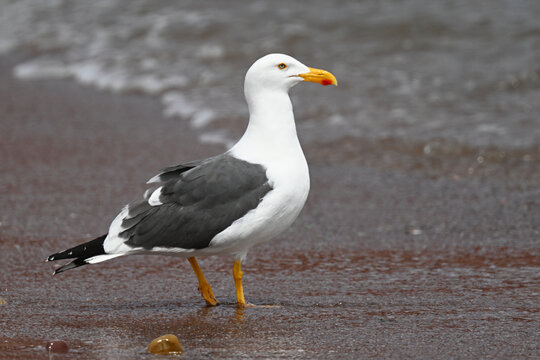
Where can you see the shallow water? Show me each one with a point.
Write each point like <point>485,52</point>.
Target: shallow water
<point>459,71</point>
<point>361,303</point>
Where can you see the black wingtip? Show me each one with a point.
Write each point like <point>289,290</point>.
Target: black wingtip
<point>85,250</point>
<point>75,263</point>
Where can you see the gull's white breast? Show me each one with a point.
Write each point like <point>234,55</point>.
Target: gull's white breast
<point>288,175</point>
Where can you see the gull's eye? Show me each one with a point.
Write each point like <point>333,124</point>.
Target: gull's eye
<point>282,66</point>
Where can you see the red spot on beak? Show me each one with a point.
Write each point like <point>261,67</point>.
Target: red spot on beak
<point>326,82</point>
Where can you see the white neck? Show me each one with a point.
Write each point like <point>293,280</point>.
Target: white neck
<point>271,131</point>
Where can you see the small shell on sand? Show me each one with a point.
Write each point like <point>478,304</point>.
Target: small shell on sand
<point>166,345</point>
<point>2,301</point>
<point>59,347</point>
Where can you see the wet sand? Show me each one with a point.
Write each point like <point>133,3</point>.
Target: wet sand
<point>418,254</point>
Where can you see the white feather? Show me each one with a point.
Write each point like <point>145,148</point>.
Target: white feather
<point>155,179</point>
<point>100,258</point>
<point>153,200</point>
<point>113,243</point>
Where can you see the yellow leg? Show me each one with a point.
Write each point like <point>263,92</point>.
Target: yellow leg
<point>204,286</point>
<point>237,274</point>
<point>240,300</point>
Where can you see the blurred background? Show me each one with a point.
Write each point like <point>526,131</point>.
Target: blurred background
<point>446,76</point>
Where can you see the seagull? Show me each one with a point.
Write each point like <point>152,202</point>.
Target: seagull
<point>225,204</point>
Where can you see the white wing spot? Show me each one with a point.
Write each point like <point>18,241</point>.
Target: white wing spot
<point>154,198</point>
<point>155,179</point>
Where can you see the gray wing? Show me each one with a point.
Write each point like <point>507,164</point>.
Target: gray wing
<point>198,201</point>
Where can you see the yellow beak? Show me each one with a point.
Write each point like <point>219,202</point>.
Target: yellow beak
<point>319,76</point>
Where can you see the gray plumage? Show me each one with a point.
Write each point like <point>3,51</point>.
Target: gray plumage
<point>198,200</point>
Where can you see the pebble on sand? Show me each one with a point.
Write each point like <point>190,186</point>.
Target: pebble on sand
<point>2,301</point>
<point>59,347</point>
<point>165,345</point>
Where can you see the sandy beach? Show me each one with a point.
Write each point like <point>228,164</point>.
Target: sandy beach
<point>423,253</point>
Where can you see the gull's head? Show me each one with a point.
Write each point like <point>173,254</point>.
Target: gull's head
<point>281,72</point>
